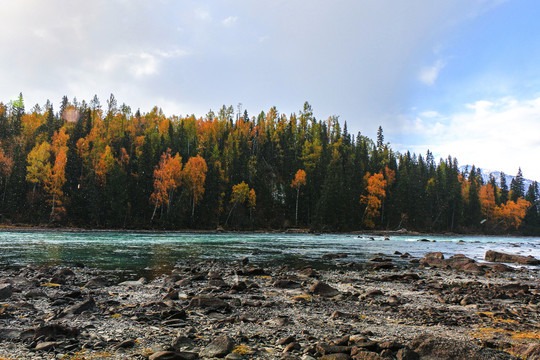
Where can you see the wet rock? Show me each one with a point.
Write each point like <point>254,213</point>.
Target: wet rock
<point>6,290</point>
<point>322,289</point>
<point>86,305</point>
<point>495,256</point>
<point>286,284</point>
<point>219,347</point>
<point>208,302</point>
<point>437,348</point>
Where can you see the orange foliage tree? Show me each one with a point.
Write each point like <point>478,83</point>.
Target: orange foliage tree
<point>376,185</point>
<point>167,177</point>
<point>486,195</point>
<point>511,214</point>
<point>194,179</point>
<point>298,181</point>
<point>6,165</point>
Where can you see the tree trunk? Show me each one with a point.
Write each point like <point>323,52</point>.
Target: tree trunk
<point>296,213</point>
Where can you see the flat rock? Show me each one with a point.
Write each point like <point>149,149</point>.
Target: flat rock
<point>286,284</point>
<point>219,347</point>
<point>46,346</point>
<point>431,347</point>
<point>208,302</point>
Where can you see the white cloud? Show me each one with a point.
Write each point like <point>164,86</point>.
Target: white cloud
<point>428,75</point>
<point>230,21</point>
<point>500,135</point>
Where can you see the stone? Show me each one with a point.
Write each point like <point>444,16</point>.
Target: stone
<point>35,294</point>
<point>219,347</point>
<point>97,282</point>
<point>139,282</point>
<point>333,349</point>
<point>434,255</point>
<point>208,302</point>
<point>6,290</point>
<point>49,332</point>
<point>46,346</point>
<point>322,289</point>
<point>86,305</point>
<point>171,295</point>
<point>431,347</point>
<point>338,356</point>
<point>286,284</point>
<point>529,351</point>
<point>407,354</point>
<point>126,344</point>
<point>172,355</point>
<point>495,256</point>
<point>286,340</point>
<point>367,355</point>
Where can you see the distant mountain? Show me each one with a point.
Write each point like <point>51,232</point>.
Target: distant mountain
<point>497,175</point>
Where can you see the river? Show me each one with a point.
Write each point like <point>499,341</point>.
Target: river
<point>131,254</point>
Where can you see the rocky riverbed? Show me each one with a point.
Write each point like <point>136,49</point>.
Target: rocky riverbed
<point>429,308</point>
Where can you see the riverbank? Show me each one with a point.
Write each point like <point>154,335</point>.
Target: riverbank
<point>428,307</point>
<point>46,228</point>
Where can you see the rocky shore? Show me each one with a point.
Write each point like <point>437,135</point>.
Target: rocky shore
<point>392,307</point>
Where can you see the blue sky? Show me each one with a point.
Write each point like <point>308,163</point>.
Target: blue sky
<point>458,77</point>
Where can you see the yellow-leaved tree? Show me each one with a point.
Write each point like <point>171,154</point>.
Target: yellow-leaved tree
<point>194,179</point>
<point>298,181</point>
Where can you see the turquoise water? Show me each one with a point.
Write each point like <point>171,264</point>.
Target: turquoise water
<point>156,252</point>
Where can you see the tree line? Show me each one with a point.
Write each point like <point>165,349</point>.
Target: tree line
<point>89,165</point>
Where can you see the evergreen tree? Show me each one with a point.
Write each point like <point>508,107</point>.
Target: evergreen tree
<point>504,189</point>
<point>517,186</point>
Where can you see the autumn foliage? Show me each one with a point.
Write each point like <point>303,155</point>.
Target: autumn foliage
<point>106,165</point>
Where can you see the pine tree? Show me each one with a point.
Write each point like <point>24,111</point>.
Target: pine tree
<point>517,186</point>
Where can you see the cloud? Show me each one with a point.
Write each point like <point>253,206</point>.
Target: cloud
<point>230,21</point>
<point>428,75</point>
<point>499,134</point>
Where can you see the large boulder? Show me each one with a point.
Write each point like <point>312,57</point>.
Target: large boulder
<point>495,256</point>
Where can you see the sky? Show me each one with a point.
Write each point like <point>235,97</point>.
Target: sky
<point>457,77</point>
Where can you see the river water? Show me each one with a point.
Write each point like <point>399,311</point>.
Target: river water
<point>131,254</point>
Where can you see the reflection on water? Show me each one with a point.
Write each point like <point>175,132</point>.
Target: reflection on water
<point>156,253</point>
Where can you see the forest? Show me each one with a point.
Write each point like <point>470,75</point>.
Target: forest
<point>105,166</point>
